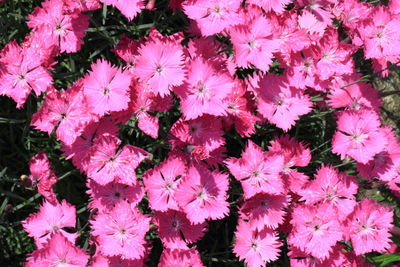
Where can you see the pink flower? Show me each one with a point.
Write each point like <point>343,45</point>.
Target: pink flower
<point>240,110</point>
<point>42,176</point>
<point>162,181</point>
<point>315,229</point>
<point>205,90</point>
<point>333,57</point>
<point>264,210</point>
<point>280,103</point>
<point>356,96</point>
<point>271,5</point>
<point>384,166</point>
<point>128,51</point>
<point>106,88</point>
<point>368,227</point>
<point>359,135</point>
<point>213,16</point>
<point>256,248</point>
<point>381,34</point>
<point>121,231</point>
<point>333,187</point>
<point>176,231</point>
<point>143,101</point>
<point>54,24</point>
<point>257,171</point>
<point>160,66</point>
<point>65,109</point>
<point>59,251</point>
<point>80,151</point>
<point>180,257</point>
<point>253,42</point>
<point>21,73</point>
<point>201,138</point>
<point>129,8</point>
<point>51,218</point>
<point>80,6</point>
<point>105,197</point>
<point>202,194</point>
<point>107,164</point>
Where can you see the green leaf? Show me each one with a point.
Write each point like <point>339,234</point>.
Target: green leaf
<point>383,260</point>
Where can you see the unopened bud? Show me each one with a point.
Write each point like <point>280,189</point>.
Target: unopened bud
<point>26,181</point>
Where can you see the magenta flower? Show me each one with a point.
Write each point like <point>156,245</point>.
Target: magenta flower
<point>65,109</point>
<point>105,197</point>
<point>21,72</point>
<point>213,16</point>
<point>80,151</point>
<point>253,42</point>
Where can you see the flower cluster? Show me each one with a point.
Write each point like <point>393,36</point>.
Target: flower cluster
<point>190,187</point>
